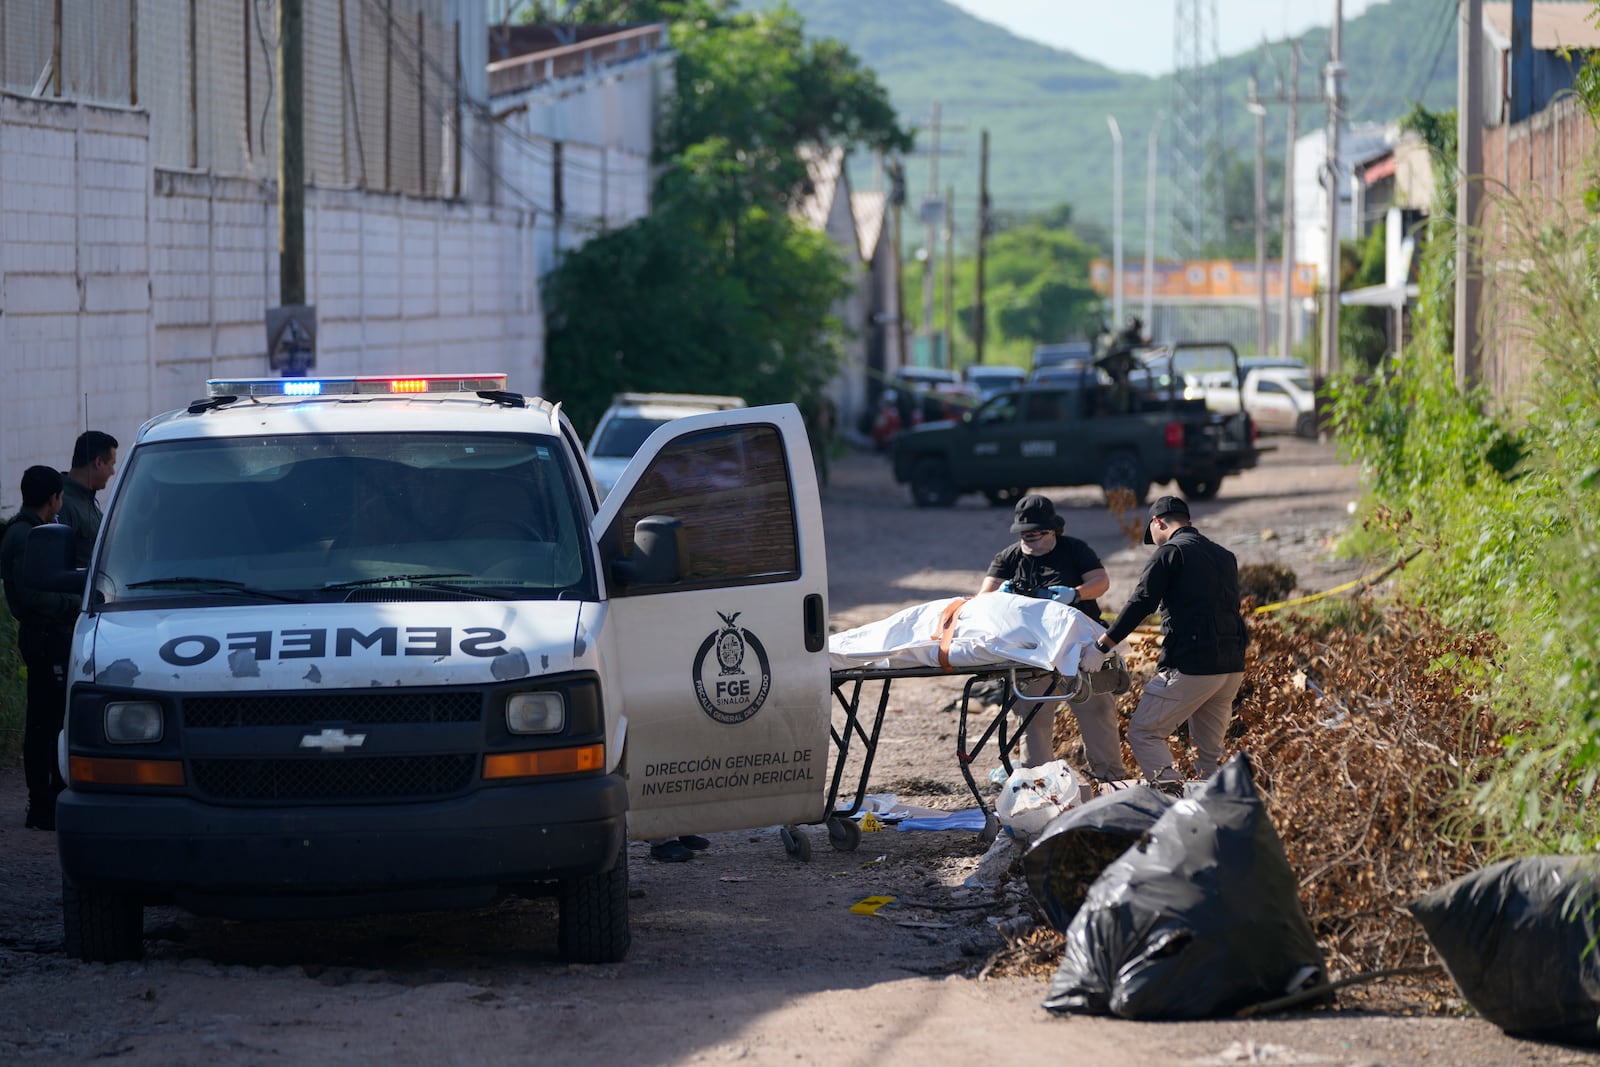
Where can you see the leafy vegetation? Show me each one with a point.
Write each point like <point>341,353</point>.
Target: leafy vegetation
<point>1504,500</point>
<point>721,289</point>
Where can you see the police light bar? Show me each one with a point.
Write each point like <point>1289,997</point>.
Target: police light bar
<point>365,385</point>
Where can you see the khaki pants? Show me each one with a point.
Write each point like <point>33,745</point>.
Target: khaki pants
<point>1205,701</point>
<point>1097,722</point>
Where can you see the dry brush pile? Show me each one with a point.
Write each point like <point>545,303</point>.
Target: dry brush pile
<point>1363,734</point>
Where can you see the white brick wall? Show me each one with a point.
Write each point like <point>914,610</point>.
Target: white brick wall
<point>123,288</point>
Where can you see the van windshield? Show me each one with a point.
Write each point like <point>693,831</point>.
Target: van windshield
<point>332,517</point>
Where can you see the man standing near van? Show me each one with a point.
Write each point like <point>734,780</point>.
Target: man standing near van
<point>44,639</point>
<point>1195,582</point>
<point>94,462</point>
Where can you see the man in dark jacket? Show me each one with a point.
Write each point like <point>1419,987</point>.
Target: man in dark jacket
<point>94,461</point>
<point>44,639</point>
<point>1195,583</point>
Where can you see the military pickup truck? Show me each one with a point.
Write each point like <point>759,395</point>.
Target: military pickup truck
<point>1120,422</point>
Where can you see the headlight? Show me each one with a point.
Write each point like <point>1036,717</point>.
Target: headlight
<point>133,722</point>
<point>536,713</point>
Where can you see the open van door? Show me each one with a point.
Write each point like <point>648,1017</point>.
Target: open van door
<point>720,652</point>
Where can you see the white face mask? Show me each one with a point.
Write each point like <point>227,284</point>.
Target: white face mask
<point>1038,546</point>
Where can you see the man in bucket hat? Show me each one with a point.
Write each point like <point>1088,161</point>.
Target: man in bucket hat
<point>1045,562</point>
<point>1195,583</point>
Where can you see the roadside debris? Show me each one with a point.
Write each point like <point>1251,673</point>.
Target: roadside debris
<point>1198,920</point>
<point>1518,937</point>
<point>1361,767</point>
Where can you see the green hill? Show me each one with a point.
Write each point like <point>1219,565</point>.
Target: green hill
<point>1046,109</point>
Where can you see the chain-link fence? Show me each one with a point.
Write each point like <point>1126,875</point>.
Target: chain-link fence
<point>380,80</point>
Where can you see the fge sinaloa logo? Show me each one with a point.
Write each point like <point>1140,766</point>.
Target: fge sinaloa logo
<point>727,687</point>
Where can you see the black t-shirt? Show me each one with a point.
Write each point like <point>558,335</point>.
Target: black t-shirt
<point>1065,564</point>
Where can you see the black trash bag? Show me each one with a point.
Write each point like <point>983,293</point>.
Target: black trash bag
<point>1198,920</point>
<point>1081,842</point>
<point>1518,938</point>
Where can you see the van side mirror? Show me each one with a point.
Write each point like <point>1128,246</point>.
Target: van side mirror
<point>49,563</point>
<point>657,553</point>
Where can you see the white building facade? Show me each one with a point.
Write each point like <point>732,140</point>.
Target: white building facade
<point>138,205</point>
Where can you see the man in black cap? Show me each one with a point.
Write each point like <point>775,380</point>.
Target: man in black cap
<point>1195,583</point>
<point>1045,562</point>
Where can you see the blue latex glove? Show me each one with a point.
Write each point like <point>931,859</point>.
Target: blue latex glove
<point>1064,594</point>
<point>1008,586</point>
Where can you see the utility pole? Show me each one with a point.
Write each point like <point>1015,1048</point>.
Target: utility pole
<point>1334,78</point>
<point>978,322</point>
<point>1288,93</point>
<point>292,326</point>
<point>1469,168</point>
<point>1150,232</point>
<point>291,156</point>
<point>1117,321</point>
<point>930,217</point>
<point>1259,110</point>
<point>949,276</point>
<point>1286,327</point>
<point>897,200</point>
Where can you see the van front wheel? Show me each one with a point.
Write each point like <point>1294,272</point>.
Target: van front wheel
<point>102,925</point>
<point>593,922</point>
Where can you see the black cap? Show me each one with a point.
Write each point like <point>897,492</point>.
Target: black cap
<point>1036,512</point>
<point>1167,505</point>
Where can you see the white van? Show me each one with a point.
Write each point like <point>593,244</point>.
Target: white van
<point>369,643</point>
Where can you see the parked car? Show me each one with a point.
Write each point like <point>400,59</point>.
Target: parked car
<point>1281,399</point>
<point>1065,352</point>
<point>991,378</point>
<point>929,394</point>
<point>1279,395</point>
<point>631,418</point>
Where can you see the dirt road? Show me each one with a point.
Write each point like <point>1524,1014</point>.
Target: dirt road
<point>742,954</point>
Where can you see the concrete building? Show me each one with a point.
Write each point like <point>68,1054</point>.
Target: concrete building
<point>138,218</point>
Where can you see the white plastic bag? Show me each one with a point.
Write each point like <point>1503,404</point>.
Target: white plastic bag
<point>1033,796</point>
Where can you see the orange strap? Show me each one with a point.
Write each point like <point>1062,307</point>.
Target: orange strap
<point>947,629</point>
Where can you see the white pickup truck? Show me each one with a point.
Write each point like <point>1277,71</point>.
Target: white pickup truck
<point>1280,399</point>
<point>368,643</point>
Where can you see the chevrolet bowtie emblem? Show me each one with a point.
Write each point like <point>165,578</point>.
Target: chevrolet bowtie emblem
<point>332,740</point>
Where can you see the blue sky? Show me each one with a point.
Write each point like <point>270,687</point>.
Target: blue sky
<point>1136,35</point>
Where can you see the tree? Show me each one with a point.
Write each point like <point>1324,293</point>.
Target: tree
<point>1036,288</point>
<point>721,289</point>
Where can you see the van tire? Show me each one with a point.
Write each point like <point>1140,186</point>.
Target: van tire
<point>931,486</point>
<point>102,925</point>
<point>593,923</point>
<point>1121,470</point>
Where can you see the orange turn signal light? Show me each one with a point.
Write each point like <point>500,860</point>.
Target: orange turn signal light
<point>126,771</point>
<point>408,385</point>
<point>545,761</point>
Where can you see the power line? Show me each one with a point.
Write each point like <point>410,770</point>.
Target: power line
<point>1448,10</point>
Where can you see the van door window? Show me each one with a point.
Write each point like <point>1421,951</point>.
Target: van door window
<point>730,488</point>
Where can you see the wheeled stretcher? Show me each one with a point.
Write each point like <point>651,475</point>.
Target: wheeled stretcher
<point>1015,639</point>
